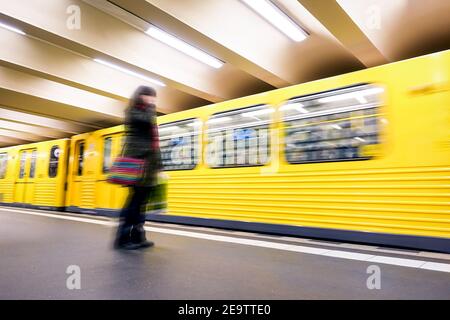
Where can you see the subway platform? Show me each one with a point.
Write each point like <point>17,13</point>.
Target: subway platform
<point>40,250</point>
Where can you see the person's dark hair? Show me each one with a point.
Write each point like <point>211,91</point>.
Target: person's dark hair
<point>141,91</point>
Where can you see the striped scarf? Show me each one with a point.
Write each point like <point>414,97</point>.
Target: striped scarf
<point>154,145</point>
<point>155,135</point>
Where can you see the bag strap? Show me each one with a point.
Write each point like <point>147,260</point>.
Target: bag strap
<point>124,143</point>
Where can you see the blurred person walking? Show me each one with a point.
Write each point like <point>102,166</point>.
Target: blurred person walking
<point>141,142</point>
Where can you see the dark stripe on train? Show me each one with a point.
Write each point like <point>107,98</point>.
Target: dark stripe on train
<point>385,239</point>
<point>31,206</point>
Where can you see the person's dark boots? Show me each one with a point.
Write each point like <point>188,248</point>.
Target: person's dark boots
<point>123,237</point>
<point>138,237</point>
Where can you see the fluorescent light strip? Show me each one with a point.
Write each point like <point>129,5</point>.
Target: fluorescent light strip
<point>5,26</point>
<point>331,111</point>
<point>195,124</point>
<point>238,126</point>
<point>168,128</point>
<point>300,107</point>
<point>132,73</point>
<point>219,120</point>
<point>184,47</point>
<point>277,18</point>
<point>359,95</point>
<point>257,113</point>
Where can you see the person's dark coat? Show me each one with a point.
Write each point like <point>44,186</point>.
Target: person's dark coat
<point>139,138</point>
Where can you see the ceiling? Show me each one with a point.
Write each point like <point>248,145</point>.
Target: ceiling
<point>51,87</point>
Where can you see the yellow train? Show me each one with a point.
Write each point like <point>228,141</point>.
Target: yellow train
<point>34,175</point>
<point>363,156</point>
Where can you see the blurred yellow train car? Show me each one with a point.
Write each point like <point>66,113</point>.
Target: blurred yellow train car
<point>7,174</point>
<point>34,175</point>
<point>359,157</point>
<point>91,156</point>
<point>89,163</point>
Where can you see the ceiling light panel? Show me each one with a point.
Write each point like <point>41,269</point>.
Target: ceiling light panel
<point>11,28</point>
<point>132,73</point>
<point>184,47</point>
<point>278,19</point>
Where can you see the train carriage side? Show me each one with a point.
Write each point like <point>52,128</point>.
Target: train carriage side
<point>358,157</point>
<point>110,197</point>
<point>8,161</point>
<point>397,190</point>
<point>51,173</point>
<point>36,175</point>
<point>91,157</point>
<point>76,173</point>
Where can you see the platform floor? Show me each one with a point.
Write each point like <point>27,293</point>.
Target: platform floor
<point>36,247</point>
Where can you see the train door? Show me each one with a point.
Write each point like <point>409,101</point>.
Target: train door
<point>25,182</point>
<point>110,196</point>
<point>74,170</point>
<point>52,175</point>
<point>83,187</point>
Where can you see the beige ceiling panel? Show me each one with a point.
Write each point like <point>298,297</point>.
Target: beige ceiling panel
<point>8,141</point>
<point>139,13</point>
<point>232,24</point>
<point>57,64</point>
<point>345,30</point>
<point>403,29</point>
<point>81,120</point>
<point>103,36</point>
<point>252,39</point>
<point>19,135</point>
<point>65,126</point>
<point>321,54</point>
<point>198,34</point>
<point>36,130</point>
<point>62,101</point>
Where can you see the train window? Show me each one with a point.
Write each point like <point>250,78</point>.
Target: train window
<point>179,143</point>
<point>80,159</point>
<point>239,137</point>
<point>33,164</point>
<point>107,145</point>
<point>54,160</point>
<point>23,161</point>
<point>332,126</point>
<point>3,164</point>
